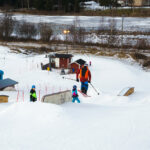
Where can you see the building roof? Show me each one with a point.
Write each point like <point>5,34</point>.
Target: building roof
<point>80,62</point>
<point>61,55</point>
<point>6,83</point>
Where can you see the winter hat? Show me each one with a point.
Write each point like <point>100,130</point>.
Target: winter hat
<point>33,86</point>
<point>74,87</point>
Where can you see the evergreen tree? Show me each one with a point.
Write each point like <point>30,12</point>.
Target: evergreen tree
<point>110,3</point>
<point>49,4</point>
<point>40,4</point>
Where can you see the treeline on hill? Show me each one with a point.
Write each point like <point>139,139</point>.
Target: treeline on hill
<point>54,5</point>
<point>49,5</point>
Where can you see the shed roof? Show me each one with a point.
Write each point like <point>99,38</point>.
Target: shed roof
<point>80,61</point>
<point>6,83</point>
<point>62,55</point>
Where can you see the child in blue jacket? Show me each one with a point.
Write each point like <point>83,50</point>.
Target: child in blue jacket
<point>75,94</point>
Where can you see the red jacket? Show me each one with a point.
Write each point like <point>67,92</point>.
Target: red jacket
<point>84,74</point>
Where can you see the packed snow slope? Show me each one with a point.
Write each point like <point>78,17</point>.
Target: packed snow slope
<point>105,121</point>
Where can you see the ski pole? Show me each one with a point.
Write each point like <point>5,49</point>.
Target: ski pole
<point>94,88</point>
<point>69,78</point>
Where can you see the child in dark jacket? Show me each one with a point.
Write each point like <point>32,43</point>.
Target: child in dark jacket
<point>33,96</point>
<point>75,94</point>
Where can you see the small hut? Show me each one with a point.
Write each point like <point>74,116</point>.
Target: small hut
<point>74,66</point>
<point>58,61</point>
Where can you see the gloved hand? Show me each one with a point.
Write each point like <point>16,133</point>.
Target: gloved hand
<point>89,81</point>
<point>77,80</point>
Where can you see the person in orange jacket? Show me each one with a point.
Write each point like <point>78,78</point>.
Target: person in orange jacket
<point>84,75</point>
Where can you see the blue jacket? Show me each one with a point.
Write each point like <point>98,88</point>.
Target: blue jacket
<point>74,93</point>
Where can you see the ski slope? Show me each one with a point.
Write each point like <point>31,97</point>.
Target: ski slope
<point>105,121</point>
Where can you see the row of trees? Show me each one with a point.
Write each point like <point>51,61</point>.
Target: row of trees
<point>12,29</point>
<point>53,5</point>
<point>114,3</point>
<point>109,35</point>
<point>65,5</point>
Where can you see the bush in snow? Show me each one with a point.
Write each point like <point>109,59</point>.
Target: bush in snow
<point>142,44</point>
<point>7,24</point>
<point>138,56</point>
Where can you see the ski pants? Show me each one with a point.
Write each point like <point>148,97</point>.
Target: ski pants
<point>75,99</point>
<point>32,99</point>
<point>84,87</point>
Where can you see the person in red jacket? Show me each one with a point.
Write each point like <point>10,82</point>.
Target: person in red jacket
<point>84,75</point>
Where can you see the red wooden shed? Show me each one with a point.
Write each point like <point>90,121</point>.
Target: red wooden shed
<point>61,60</point>
<point>74,66</point>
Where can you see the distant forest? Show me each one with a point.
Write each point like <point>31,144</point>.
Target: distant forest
<point>52,5</point>
<point>49,5</point>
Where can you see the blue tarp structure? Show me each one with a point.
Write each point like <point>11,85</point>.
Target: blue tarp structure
<point>7,83</point>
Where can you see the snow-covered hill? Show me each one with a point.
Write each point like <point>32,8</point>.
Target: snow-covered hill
<point>105,121</point>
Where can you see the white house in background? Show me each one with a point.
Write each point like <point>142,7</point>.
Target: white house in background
<point>121,3</point>
<point>91,5</point>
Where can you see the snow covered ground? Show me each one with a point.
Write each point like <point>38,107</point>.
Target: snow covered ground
<point>105,121</point>
<point>130,23</point>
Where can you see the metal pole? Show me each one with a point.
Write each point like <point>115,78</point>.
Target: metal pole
<point>94,88</point>
<point>66,44</point>
<point>122,32</point>
<point>50,69</point>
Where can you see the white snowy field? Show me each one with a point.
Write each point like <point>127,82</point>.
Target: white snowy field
<point>130,23</point>
<point>105,121</point>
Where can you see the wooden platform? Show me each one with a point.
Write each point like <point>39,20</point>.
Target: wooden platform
<point>58,98</point>
<point>4,99</point>
<point>126,91</point>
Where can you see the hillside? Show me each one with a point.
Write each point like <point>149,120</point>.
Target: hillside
<point>105,121</point>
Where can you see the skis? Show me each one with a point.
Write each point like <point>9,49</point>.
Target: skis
<point>85,95</point>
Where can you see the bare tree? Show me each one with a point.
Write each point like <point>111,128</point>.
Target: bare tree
<point>73,33</point>
<point>28,4</point>
<point>81,35</point>
<point>131,3</point>
<point>112,32</point>
<point>101,25</point>
<point>142,44</point>
<point>46,32</point>
<point>77,32</point>
<point>27,30</point>
<point>6,26</point>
